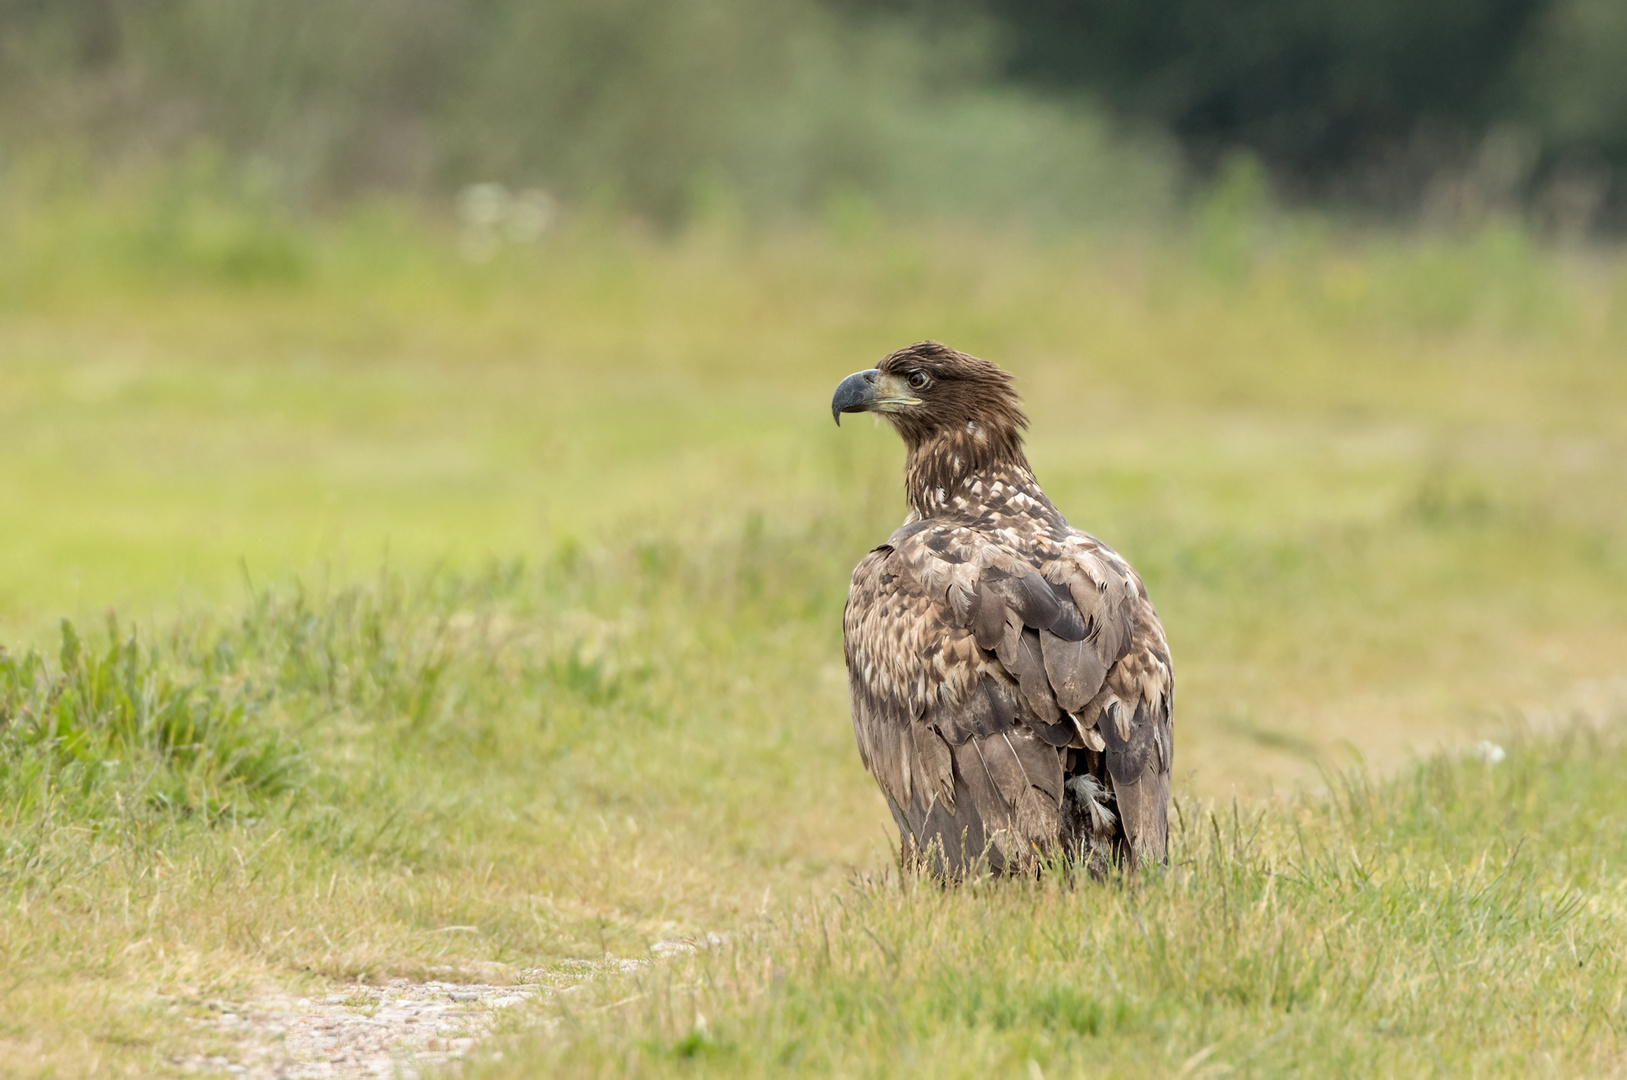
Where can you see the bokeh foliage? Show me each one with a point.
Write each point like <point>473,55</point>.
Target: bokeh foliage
<point>1310,85</point>
<point>1386,102</point>
<point>974,107</point>
<point>663,109</point>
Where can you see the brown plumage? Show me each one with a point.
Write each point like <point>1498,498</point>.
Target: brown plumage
<point>1011,686</point>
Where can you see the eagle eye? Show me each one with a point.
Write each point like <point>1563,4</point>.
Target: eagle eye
<point>918,380</point>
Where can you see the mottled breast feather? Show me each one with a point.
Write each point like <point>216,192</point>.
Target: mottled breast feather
<point>995,655</point>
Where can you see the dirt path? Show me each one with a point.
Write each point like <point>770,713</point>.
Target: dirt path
<point>390,1030</point>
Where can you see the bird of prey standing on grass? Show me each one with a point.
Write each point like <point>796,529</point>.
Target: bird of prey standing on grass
<point>1011,685</point>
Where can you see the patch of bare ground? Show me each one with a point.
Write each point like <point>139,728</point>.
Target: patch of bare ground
<point>398,1028</point>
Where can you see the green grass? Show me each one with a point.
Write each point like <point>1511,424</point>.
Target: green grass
<point>1462,920</point>
<point>507,596</point>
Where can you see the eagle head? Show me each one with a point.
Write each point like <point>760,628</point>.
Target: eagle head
<point>928,391</point>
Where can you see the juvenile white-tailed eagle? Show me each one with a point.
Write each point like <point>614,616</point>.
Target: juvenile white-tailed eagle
<point>1011,685</point>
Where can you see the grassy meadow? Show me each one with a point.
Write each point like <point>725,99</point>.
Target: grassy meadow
<point>429,616</point>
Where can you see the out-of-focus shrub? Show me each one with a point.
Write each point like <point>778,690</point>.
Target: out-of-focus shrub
<point>656,107</point>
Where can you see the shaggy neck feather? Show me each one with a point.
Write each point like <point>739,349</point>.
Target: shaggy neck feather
<point>941,462</point>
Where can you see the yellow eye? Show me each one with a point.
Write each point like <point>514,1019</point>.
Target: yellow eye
<point>918,380</point>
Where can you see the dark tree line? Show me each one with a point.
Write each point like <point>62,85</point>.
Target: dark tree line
<point>1367,99</point>
<point>1310,84</point>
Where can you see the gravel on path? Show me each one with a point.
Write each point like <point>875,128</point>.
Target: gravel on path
<point>394,1029</point>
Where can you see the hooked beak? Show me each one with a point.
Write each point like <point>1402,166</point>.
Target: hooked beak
<point>870,391</point>
<point>856,393</point>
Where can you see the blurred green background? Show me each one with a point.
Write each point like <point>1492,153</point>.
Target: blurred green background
<point>1054,111</point>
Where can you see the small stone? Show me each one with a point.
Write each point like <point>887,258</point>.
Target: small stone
<point>463,995</point>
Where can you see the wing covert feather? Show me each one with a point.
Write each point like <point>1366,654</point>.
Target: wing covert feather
<point>975,662</point>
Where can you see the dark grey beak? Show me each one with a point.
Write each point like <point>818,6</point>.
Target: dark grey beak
<point>856,393</point>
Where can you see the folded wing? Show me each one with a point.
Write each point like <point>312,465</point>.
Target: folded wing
<point>983,676</point>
